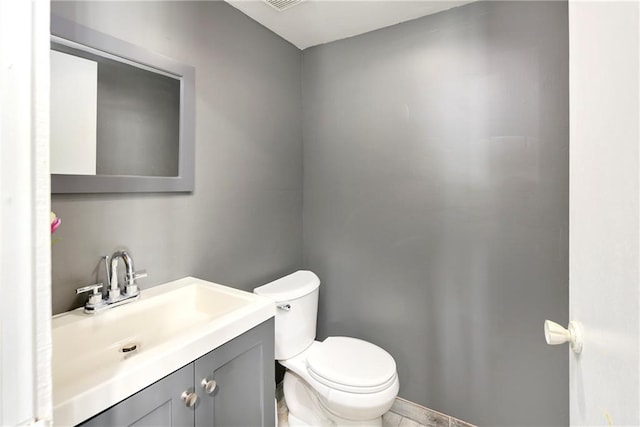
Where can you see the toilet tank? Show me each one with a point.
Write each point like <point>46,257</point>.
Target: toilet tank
<point>296,297</point>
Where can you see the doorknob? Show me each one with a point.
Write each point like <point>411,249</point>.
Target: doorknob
<point>555,334</point>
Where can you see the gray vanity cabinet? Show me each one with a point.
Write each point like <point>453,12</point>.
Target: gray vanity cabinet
<point>243,371</point>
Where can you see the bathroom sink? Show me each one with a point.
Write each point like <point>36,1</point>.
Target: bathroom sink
<point>98,360</point>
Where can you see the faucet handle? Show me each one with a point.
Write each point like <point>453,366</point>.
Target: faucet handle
<point>96,296</point>
<point>131,288</point>
<point>139,274</point>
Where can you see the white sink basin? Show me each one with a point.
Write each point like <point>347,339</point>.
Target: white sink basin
<point>170,326</point>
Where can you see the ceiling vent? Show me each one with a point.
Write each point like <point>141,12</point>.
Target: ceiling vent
<point>281,5</point>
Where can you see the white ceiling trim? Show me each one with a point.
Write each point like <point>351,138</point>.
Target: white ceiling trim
<point>314,22</point>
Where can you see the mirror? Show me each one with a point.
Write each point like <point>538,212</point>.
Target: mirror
<point>122,117</point>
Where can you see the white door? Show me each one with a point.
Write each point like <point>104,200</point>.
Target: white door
<point>604,211</point>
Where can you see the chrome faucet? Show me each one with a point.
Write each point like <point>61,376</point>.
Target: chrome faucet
<point>129,277</point>
<point>115,294</point>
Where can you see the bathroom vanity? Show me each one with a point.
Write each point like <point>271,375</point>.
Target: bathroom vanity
<point>189,352</point>
<point>240,378</point>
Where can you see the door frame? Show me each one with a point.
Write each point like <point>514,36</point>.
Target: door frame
<point>25,242</point>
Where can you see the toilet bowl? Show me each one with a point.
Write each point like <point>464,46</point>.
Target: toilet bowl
<point>338,381</point>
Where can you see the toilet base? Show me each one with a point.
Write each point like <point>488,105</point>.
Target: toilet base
<point>305,408</point>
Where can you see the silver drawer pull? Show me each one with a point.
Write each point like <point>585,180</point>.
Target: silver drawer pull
<point>189,398</point>
<point>285,307</point>
<point>208,385</point>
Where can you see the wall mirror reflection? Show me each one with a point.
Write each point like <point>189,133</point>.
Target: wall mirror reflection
<point>121,116</point>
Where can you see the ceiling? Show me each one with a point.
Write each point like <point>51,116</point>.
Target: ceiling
<point>313,22</point>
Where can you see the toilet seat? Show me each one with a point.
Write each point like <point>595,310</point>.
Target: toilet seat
<point>351,365</point>
<point>346,401</point>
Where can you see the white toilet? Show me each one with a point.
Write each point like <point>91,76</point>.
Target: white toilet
<point>340,381</point>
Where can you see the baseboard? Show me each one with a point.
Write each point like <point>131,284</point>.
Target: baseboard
<point>425,416</point>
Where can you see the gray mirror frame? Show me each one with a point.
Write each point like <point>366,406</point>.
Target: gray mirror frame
<point>184,182</point>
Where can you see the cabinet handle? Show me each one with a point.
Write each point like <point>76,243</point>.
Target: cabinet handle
<point>189,398</point>
<point>208,385</point>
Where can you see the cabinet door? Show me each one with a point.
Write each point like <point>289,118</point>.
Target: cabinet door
<point>243,370</point>
<point>158,405</point>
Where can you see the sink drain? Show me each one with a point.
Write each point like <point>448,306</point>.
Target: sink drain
<point>128,348</point>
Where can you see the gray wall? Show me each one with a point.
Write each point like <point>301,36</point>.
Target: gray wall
<point>242,226</point>
<point>435,189</point>
<point>436,203</point>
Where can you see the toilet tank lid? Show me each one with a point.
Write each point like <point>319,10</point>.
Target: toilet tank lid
<point>290,287</point>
